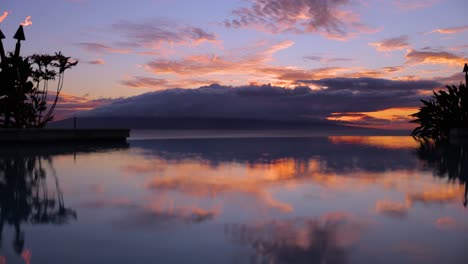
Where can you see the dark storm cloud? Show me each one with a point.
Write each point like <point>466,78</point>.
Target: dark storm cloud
<point>373,85</point>
<point>270,102</point>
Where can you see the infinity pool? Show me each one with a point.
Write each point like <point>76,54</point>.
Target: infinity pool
<point>340,199</point>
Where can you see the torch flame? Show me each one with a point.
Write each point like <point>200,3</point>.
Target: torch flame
<point>27,22</point>
<point>4,16</point>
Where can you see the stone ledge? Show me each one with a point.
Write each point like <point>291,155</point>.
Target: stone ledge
<point>62,135</point>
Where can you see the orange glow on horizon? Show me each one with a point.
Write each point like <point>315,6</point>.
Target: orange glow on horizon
<point>397,118</point>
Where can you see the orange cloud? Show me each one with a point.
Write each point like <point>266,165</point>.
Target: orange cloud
<point>391,44</point>
<point>97,62</point>
<point>449,194</point>
<point>213,185</point>
<point>450,30</point>
<point>392,209</point>
<point>391,118</point>
<point>433,57</point>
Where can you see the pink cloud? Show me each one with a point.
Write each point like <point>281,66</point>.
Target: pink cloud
<point>69,104</point>
<point>227,63</point>
<point>390,44</point>
<point>154,34</point>
<point>144,82</point>
<point>101,48</point>
<point>97,62</point>
<point>414,4</point>
<point>329,18</point>
<point>450,30</point>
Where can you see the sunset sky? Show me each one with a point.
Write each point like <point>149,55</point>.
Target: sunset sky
<point>372,58</point>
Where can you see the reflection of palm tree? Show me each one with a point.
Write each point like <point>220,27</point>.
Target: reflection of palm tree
<point>24,196</point>
<point>447,160</point>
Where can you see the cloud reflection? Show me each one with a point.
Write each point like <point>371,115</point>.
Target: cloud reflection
<point>327,239</point>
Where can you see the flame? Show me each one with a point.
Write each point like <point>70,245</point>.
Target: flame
<point>27,22</point>
<point>3,17</point>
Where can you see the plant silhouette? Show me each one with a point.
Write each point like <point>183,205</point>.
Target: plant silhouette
<point>24,86</point>
<point>445,110</point>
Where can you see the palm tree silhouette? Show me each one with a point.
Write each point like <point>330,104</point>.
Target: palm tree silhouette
<point>445,110</point>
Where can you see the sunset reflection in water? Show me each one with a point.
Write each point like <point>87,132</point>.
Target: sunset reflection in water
<point>275,200</point>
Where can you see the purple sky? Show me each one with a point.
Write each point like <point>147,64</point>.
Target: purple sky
<point>127,49</point>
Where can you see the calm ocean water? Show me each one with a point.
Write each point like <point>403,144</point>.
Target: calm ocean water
<point>238,199</point>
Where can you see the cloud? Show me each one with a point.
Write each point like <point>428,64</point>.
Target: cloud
<point>228,67</point>
<point>327,17</point>
<point>154,34</point>
<point>68,105</point>
<point>100,48</point>
<point>227,63</point>
<point>397,43</point>
<point>327,60</point>
<point>271,102</point>
<point>392,209</point>
<point>156,213</point>
<point>144,82</point>
<point>250,65</point>
<point>391,118</point>
<point>437,196</point>
<point>97,62</point>
<point>326,239</point>
<point>414,4</point>
<point>433,57</point>
<point>4,16</point>
<point>450,30</point>
<point>160,84</point>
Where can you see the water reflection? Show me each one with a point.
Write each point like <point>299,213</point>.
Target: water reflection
<point>25,198</point>
<point>261,200</point>
<point>447,161</point>
<point>30,191</point>
<point>327,239</point>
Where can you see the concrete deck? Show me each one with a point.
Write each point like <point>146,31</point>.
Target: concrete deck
<point>62,135</point>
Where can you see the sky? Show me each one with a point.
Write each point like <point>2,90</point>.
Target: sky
<point>360,61</point>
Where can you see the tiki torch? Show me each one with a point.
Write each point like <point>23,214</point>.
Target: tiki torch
<point>2,50</point>
<point>19,35</point>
